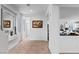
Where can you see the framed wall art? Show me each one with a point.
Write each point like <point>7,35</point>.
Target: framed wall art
<point>37,24</point>
<point>6,23</point>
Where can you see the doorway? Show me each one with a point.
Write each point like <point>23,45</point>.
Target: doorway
<point>26,28</point>
<point>48,32</point>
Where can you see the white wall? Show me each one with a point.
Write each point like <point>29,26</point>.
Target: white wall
<point>3,42</point>
<point>17,37</point>
<point>18,23</point>
<point>10,17</point>
<point>18,16</point>
<point>57,43</point>
<point>34,33</point>
<point>69,44</point>
<point>53,29</point>
<point>38,33</point>
<point>3,39</point>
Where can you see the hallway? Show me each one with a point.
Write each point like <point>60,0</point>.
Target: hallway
<point>31,47</point>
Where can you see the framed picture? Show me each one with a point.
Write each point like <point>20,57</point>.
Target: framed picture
<point>6,23</point>
<point>37,24</point>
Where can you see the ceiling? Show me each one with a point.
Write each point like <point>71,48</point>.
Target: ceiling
<point>66,10</point>
<point>30,10</point>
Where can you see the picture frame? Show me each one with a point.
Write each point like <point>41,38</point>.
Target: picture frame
<point>6,23</point>
<point>37,24</point>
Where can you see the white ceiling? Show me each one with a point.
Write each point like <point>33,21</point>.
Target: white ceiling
<point>66,10</point>
<point>30,10</point>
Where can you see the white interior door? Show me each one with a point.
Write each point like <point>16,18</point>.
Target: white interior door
<point>26,28</point>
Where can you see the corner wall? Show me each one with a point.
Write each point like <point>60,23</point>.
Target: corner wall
<point>16,37</point>
<point>3,39</point>
<point>69,44</point>
<point>57,43</point>
<point>53,29</point>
